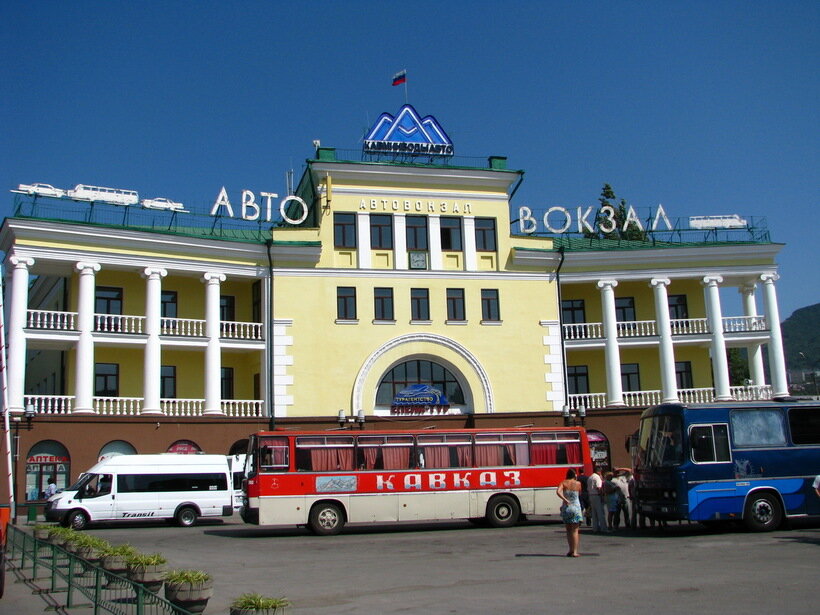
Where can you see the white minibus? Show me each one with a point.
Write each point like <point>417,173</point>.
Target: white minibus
<point>84,192</point>
<point>169,486</point>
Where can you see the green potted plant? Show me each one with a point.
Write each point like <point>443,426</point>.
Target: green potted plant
<point>90,547</point>
<point>114,559</point>
<point>189,589</point>
<point>147,569</point>
<point>256,604</point>
<point>59,535</point>
<point>40,530</point>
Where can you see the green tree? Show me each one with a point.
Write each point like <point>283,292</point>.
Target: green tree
<point>614,216</point>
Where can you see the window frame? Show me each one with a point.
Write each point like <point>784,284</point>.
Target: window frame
<point>452,236</point>
<point>573,307</point>
<point>381,232</point>
<point>486,238</point>
<point>490,305</point>
<point>106,305</point>
<point>628,377</point>
<point>106,390</point>
<point>577,374</point>
<point>417,235</point>
<point>344,231</point>
<point>625,306</point>
<point>346,303</point>
<point>383,304</point>
<point>456,305</point>
<point>420,304</point>
<point>714,442</point>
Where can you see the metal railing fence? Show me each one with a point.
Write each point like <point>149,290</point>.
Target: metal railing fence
<point>56,571</point>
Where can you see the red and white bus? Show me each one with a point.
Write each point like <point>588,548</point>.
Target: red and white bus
<point>328,478</point>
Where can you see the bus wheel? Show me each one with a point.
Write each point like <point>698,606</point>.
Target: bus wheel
<point>186,516</point>
<point>77,520</point>
<point>326,519</point>
<point>763,512</point>
<point>502,511</point>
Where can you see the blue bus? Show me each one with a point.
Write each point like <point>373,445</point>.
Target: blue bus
<point>752,462</point>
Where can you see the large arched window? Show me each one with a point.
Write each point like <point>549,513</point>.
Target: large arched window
<point>184,447</point>
<point>46,459</point>
<point>419,371</point>
<point>116,447</point>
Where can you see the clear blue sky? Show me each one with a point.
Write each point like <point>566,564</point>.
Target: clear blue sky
<point>705,107</point>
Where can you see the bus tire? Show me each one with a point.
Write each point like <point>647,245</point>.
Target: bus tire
<point>326,519</point>
<point>77,520</point>
<point>503,511</point>
<point>763,512</point>
<point>186,516</point>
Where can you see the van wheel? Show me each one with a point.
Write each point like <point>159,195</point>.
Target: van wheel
<point>326,519</point>
<point>503,511</point>
<point>763,512</point>
<point>77,520</point>
<point>186,516</point>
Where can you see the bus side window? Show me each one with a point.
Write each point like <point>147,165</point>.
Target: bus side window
<point>710,443</point>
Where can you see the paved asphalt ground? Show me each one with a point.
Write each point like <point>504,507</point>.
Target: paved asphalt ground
<point>453,567</point>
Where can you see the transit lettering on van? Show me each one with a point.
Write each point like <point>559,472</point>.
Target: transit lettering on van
<point>168,486</point>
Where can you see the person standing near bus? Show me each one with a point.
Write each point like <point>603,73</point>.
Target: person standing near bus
<point>570,493</point>
<point>595,486</point>
<point>816,485</point>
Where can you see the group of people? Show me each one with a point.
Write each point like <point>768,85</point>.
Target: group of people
<point>602,500</point>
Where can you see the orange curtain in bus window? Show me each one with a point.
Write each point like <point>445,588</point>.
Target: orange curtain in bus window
<point>487,455</point>
<point>337,454</point>
<point>371,454</point>
<point>396,457</point>
<point>573,453</point>
<point>435,455</point>
<point>464,454</point>
<point>544,453</point>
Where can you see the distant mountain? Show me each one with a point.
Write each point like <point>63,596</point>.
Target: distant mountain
<point>801,334</point>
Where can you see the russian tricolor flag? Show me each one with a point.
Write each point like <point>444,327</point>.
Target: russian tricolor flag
<point>400,77</point>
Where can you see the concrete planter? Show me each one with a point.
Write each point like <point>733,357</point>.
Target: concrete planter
<point>150,576</point>
<point>191,597</point>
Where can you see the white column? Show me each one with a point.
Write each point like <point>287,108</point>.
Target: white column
<point>720,364</point>
<point>84,368</point>
<point>152,365</point>
<point>777,362</point>
<point>363,239</point>
<point>755,351</point>
<point>614,389</point>
<point>666,349</point>
<point>18,316</point>
<point>470,254</point>
<point>434,228</point>
<point>213,351</point>
<point>400,241</point>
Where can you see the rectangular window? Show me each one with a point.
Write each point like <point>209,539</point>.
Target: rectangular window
<point>419,304</point>
<point>678,309</point>
<point>152,483</point>
<point>501,450</point>
<point>573,311</point>
<point>683,374</point>
<point>274,454</point>
<point>344,230</point>
<point>168,382</point>
<point>485,234</point>
<point>106,380</point>
<point>450,233</point>
<point>805,425</point>
<point>489,305</point>
<point>256,301</point>
<point>324,454</point>
<point>416,232</point>
<point>381,231</point>
<point>227,308</point>
<point>107,300</point>
<point>383,303</point>
<point>227,383</point>
<point>455,304</point>
<point>577,379</point>
<point>445,451</point>
<point>625,309</point>
<point>168,304</point>
<point>346,303</point>
<point>710,443</point>
<point>630,377</point>
<point>384,452</point>
<point>758,428</point>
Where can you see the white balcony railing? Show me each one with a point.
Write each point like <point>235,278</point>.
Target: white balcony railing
<point>241,330</point>
<point>689,326</point>
<point>744,324</point>
<point>184,327</point>
<point>51,320</point>
<point>118,323</point>
<point>636,328</point>
<point>132,406</point>
<point>686,396</point>
<point>584,331</point>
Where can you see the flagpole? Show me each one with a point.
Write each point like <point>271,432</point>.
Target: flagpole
<point>405,86</point>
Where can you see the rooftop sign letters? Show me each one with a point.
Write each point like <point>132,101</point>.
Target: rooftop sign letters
<point>407,133</point>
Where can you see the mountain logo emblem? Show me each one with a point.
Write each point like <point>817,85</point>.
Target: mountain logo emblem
<point>408,133</point>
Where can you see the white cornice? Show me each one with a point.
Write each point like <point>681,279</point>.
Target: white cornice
<point>420,193</point>
<point>415,274</point>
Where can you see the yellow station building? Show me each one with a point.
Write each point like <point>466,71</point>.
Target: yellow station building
<point>395,284</point>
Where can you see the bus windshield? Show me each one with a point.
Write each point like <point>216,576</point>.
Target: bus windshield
<point>660,443</point>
